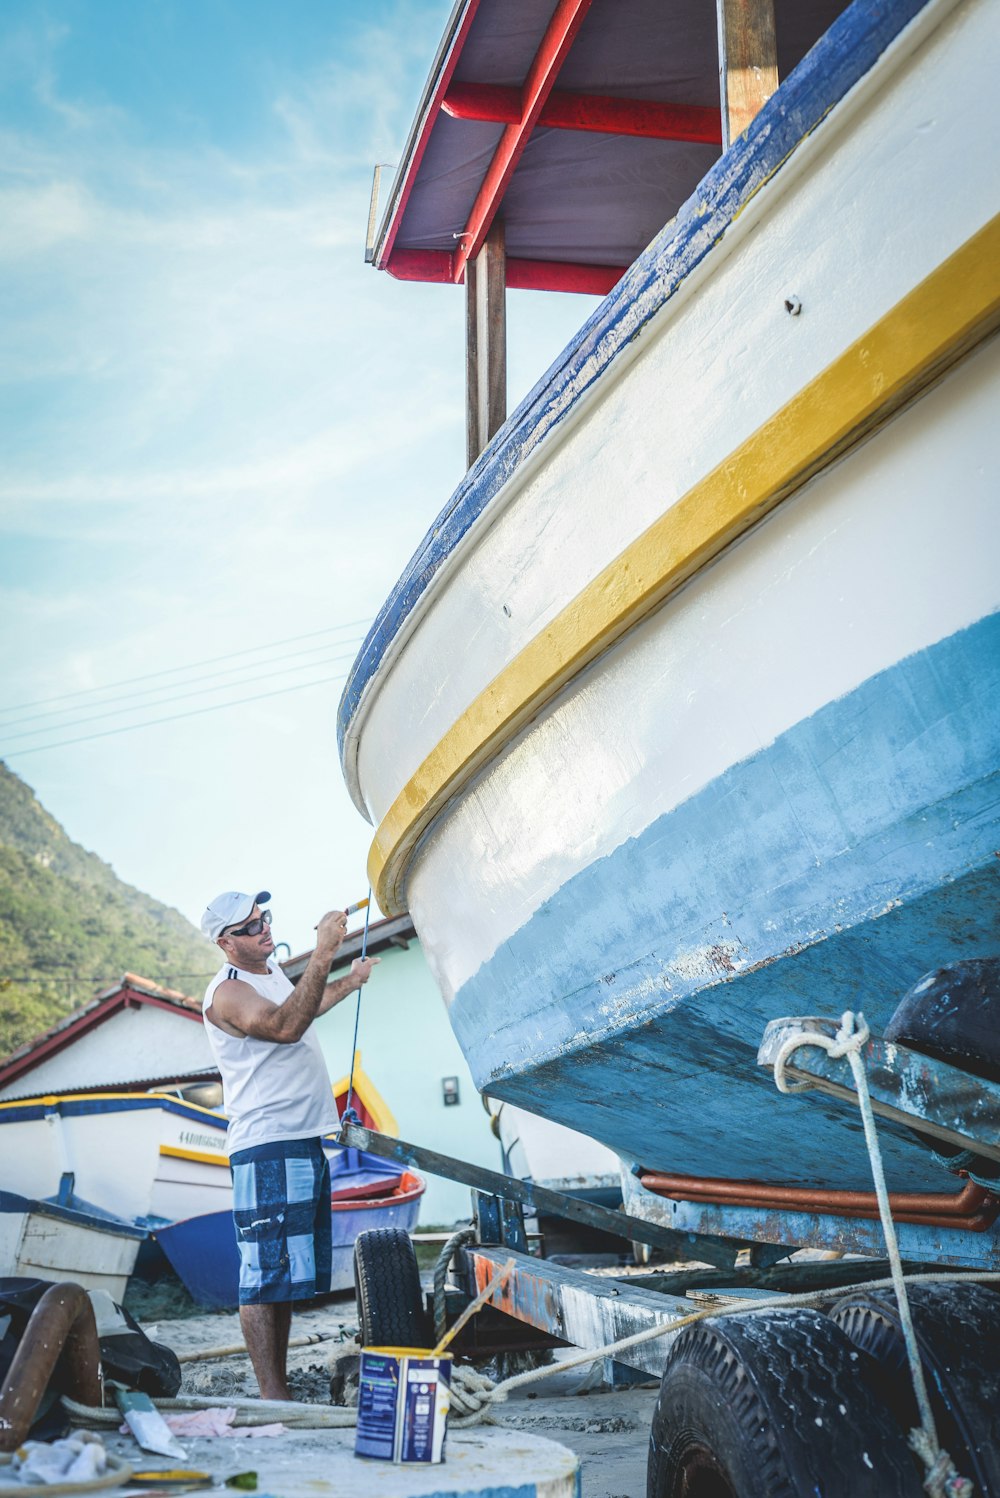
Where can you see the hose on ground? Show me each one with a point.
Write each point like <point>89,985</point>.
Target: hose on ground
<point>296,1416</point>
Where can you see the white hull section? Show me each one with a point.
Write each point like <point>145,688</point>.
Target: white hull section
<point>890,551</point>
<point>718,360</point>
<point>34,1245</point>
<point>684,715</point>
<point>538,1150</point>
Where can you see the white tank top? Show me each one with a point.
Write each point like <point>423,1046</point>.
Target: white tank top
<point>270,1091</point>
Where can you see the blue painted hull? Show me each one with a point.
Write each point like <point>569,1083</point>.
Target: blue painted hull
<point>831,870</point>
<point>203,1253</point>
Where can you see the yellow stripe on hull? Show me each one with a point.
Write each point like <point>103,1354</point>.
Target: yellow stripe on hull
<point>200,1155</point>
<point>929,330</point>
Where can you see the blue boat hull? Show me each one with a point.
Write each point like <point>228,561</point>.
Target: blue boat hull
<point>203,1253</point>
<point>827,872</point>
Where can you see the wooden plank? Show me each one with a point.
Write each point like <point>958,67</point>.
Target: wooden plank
<point>473,446</point>
<point>485,343</point>
<point>748,62</point>
<point>492,311</point>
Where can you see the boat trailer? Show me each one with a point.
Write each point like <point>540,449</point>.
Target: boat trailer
<point>941,1102</point>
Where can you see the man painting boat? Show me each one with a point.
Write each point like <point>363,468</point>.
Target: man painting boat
<point>278,1096</point>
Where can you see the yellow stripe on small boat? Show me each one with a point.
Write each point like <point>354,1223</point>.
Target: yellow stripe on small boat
<point>53,1099</point>
<point>200,1155</point>
<point>950,311</point>
<point>368,1094</point>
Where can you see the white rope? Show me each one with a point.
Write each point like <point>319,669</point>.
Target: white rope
<point>942,1481</point>
<point>499,1392</point>
<point>463,1235</point>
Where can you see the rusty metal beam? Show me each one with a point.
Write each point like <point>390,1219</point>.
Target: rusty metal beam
<point>586,1310</point>
<point>971,1208</point>
<point>720,1252</point>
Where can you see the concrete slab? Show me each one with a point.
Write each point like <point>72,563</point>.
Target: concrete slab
<point>606,1429</point>
<point>480,1463</point>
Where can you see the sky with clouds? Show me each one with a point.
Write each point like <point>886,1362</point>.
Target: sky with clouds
<point>223,435</point>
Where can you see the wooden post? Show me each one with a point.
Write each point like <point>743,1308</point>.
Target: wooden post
<point>748,62</point>
<point>473,446</point>
<point>485,342</point>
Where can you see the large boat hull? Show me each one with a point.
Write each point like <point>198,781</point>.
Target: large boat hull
<point>723,742</point>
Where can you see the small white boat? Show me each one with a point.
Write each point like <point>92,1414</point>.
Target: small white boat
<point>140,1156</point>
<point>145,1157</point>
<point>75,1241</point>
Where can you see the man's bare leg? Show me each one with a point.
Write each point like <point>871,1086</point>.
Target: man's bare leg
<point>265,1331</point>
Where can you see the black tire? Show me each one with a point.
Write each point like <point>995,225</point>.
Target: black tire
<point>390,1298</point>
<point>958,1336</point>
<point>951,1013</point>
<point>773,1406</point>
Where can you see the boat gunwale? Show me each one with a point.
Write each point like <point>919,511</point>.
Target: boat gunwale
<point>400,1196</point>
<point>74,1216</point>
<point>79,1104</point>
<point>845,54</point>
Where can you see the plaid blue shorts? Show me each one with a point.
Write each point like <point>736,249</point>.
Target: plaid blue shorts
<point>281,1208</point>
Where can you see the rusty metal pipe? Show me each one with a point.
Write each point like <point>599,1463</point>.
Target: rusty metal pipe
<point>62,1330</point>
<point>972,1207</point>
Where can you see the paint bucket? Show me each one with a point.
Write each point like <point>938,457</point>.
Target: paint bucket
<point>403,1399</point>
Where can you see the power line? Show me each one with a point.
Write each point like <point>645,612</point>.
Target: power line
<point>70,981</point>
<point>195,712</point>
<point>191,666</point>
<point>117,712</point>
<point>145,691</point>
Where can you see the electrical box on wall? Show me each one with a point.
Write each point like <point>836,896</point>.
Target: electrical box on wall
<point>449,1091</point>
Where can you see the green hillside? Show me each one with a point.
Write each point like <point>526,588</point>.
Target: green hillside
<point>70,927</point>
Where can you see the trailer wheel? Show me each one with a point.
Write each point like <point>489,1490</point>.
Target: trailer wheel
<point>958,1337</point>
<point>772,1406</point>
<point>390,1298</point>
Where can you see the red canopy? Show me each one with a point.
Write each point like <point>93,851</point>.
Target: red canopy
<point>584,124</point>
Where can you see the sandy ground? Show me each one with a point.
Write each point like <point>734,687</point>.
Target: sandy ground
<point>608,1429</point>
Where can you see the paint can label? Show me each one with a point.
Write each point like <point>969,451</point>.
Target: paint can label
<point>403,1400</point>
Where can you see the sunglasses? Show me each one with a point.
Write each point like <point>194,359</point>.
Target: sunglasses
<point>254,927</point>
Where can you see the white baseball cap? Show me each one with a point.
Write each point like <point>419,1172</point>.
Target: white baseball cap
<point>231,908</point>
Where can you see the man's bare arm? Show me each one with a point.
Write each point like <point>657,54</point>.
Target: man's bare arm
<point>342,987</point>
<point>238,1009</point>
